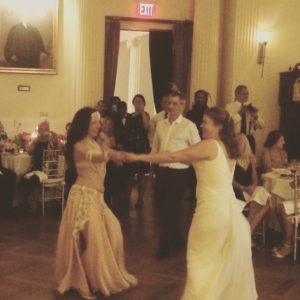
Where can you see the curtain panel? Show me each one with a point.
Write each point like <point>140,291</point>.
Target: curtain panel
<point>182,58</point>
<point>112,43</point>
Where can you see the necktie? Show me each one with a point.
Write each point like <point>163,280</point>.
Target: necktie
<point>244,124</point>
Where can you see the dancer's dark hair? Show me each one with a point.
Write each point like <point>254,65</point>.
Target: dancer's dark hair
<point>78,130</point>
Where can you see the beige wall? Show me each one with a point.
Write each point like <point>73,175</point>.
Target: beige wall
<point>80,64</point>
<point>216,67</point>
<point>243,20</point>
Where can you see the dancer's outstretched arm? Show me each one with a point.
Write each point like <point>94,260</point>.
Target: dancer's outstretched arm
<point>82,151</point>
<point>205,150</point>
<point>117,156</point>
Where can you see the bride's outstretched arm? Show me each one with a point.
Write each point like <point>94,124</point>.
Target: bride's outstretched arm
<point>203,150</point>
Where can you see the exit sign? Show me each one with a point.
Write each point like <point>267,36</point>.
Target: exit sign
<point>146,9</point>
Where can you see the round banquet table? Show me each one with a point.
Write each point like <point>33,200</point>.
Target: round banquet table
<point>281,190</point>
<point>19,163</point>
<point>279,185</point>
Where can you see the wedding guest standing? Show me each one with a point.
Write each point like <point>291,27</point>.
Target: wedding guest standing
<point>245,115</point>
<point>106,137</point>
<point>172,134</point>
<point>199,107</point>
<point>137,128</point>
<point>90,254</point>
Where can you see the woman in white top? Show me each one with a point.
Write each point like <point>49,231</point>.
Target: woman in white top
<point>219,259</point>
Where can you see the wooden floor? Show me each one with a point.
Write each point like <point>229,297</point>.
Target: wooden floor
<point>27,255</point>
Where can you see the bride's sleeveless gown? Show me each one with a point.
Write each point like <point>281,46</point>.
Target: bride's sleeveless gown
<point>219,262</point>
<point>90,254</point>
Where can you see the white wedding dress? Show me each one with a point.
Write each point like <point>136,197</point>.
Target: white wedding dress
<point>219,259</point>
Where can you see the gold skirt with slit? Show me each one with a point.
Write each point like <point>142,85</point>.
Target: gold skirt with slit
<point>90,253</point>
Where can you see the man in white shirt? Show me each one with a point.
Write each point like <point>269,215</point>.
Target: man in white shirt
<point>172,134</point>
<point>244,115</point>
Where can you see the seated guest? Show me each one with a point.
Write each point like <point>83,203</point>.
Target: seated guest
<point>7,187</point>
<point>199,107</point>
<point>245,183</point>
<point>274,155</point>
<point>30,185</point>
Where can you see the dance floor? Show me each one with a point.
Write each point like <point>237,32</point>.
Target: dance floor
<point>27,247</point>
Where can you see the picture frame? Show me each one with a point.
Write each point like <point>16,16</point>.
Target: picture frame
<point>28,36</point>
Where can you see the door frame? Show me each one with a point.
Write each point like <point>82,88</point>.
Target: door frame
<point>138,24</point>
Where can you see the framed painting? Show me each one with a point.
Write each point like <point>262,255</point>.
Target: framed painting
<point>28,36</point>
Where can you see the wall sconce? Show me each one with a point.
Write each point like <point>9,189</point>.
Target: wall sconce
<point>263,37</point>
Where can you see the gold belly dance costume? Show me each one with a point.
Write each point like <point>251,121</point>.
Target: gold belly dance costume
<point>90,253</point>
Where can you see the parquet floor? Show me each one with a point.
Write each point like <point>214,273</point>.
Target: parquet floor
<point>27,255</point>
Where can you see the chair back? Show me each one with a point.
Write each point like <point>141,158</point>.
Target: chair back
<point>53,164</point>
<point>296,184</point>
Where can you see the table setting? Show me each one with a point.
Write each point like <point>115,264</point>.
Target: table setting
<point>280,183</point>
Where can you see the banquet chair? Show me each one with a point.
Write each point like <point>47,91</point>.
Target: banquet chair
<point>261,229</point>
<point>53,187</point>
<point>295,216</point>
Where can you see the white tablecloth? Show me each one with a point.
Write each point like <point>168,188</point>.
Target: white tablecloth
<point>280,189</point>
<point>19,163</point>
<point>279,185</point>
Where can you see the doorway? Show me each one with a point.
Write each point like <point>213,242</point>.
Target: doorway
<point>144,67</point>
<point>140,53</point>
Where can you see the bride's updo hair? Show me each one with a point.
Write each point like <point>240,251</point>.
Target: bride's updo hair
<point>220,116</point>
<point>78,130</point>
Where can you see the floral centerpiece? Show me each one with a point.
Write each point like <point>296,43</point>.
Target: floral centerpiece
<point>22,139</point>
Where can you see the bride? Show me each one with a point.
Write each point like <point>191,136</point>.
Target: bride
<point>219,262</point>
<point>90,254</point>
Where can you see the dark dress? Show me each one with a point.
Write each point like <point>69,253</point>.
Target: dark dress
<point>137,142</point>
<point>243,177</point>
